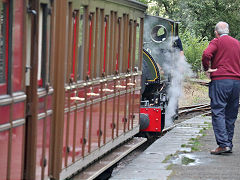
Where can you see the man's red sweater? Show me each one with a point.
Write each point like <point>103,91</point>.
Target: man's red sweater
<point>224,55</point>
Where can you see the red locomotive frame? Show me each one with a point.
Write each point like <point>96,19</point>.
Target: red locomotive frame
<point>154,119</point>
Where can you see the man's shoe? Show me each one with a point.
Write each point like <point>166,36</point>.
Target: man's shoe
<point>221,150</point>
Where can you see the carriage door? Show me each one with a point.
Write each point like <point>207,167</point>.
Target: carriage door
<point>12,91</point>
<point>39,88</point>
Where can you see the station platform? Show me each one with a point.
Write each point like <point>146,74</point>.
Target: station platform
<point>183,153</point>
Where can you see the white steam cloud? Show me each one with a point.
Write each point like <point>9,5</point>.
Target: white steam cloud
<point>178,69</point>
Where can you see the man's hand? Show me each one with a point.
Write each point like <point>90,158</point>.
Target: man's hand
<point>209,71</point>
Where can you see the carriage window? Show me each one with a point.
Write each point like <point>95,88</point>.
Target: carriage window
<point>42,46</point>
<point>159,33</point>
<point>48,51</point>
<point>99,43</point>
<point>137,51</point>
<point>75,24</point>
<point>11,30</point>
<point>75,62</point>
<point>95,44</point>
<point>122,39</point>
<point>89,61</point>
<point>80,44</point>
<point>2,44</point>
<point>4,26</point>
<point>105,58</point>
<point>130,48</point>
<point>119,49</point>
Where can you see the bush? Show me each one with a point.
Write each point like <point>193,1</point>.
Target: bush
<point>193,48</point>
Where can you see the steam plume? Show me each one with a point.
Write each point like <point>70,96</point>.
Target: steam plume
<point>178,69</point>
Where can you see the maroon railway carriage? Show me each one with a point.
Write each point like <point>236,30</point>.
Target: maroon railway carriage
<point>70,74</point>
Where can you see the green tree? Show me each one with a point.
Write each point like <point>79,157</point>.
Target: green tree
<point>200,16</point>
<point>168,8</point>
<point>193,48</point>
<point>144,1</point>
<point>198,19</point>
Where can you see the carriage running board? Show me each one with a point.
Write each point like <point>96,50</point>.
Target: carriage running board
<point>110,159</point>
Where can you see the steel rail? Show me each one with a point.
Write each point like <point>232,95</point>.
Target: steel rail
<point>204,107</point>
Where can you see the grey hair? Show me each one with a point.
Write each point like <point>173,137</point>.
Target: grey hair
<point>222,28</point>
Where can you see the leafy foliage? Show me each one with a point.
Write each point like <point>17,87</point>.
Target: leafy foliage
<point>198,19</point>
<point>145,1</point>
<point>200,16</point>
<point>193,47</point>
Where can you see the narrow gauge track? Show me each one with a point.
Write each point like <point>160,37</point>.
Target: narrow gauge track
<point>191,111</point>
<point>195,108</point>
<point>188,112</point>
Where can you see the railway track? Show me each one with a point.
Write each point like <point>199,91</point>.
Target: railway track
<point>188,112</point>
<point>203,109</point>
<point>195,108</point>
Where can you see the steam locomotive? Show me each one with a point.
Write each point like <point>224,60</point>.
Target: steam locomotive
<point>70,82</point>
<point>158,58</point>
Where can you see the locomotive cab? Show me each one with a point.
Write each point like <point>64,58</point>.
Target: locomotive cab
<point>157,58</point>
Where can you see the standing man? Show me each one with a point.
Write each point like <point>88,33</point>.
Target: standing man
<point>221,61</point>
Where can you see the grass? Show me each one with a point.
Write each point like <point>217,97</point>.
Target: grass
<point>167,158</point>
<point>202,131</point>
<point>193,93</point>
<point>169,167</point>
<point>183,145</point>
<point>195,144</point>
<point>209,125</point>
<point>202,75</point>
<point>186,160</point>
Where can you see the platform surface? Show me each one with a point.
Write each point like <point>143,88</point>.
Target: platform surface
<point>172,158</point>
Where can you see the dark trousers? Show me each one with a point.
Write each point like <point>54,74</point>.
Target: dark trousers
<point>224,95</point>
